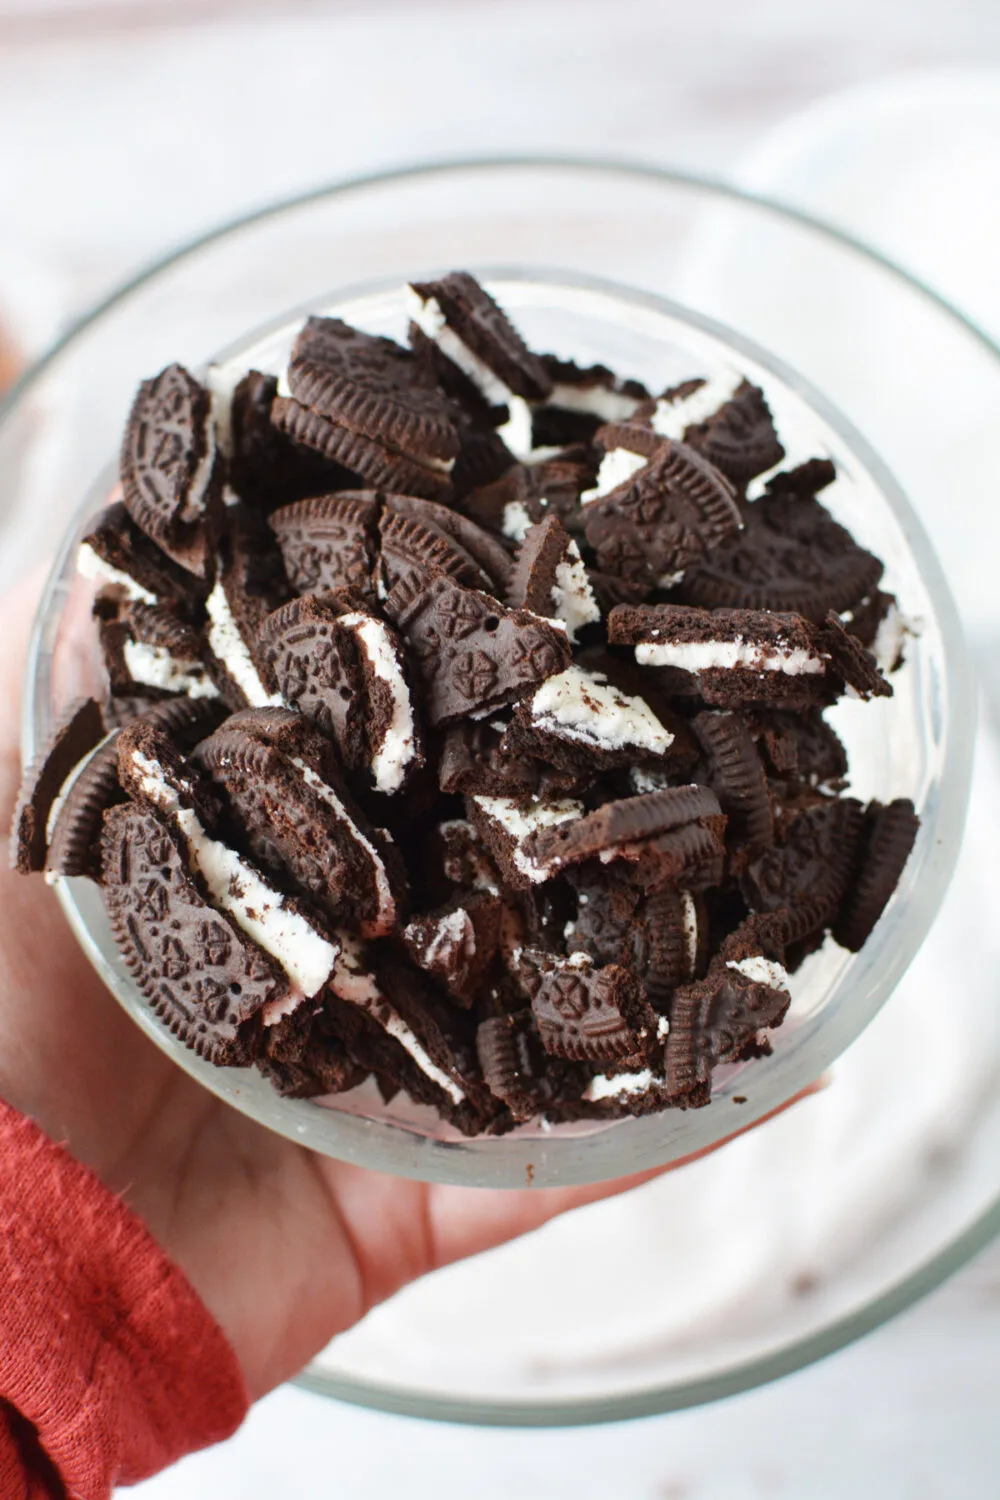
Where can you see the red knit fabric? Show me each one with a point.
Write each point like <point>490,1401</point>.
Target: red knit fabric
<point>110,1365</point>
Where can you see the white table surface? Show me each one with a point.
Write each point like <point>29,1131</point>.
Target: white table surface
<point>126,126</point>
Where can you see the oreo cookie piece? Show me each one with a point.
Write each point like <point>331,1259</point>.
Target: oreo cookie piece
<point>735,657</point>
<point>804,877</point>
<point>410,549</point>
<point>292,937</point>
<point>585,1013</point>
<point>250,584</point>
<point>329,541</point>
<point>314,663</point>
<point>727,419</point>
<point>518,1071</point>
<point>149,651</point>
<point>473,760</point>
<point>80,731</point>
<point>791,556</point>
<point>473,655</point>
<point>487,553</point>
<point>281,781</point>
<point>890,833</point>
<point>304,1058</point>
<point>344,669</point>
<point>463,859</point>
<point>578,719</point>
<point>723,1017</point>
<point>477,338</point>
<point>170,469</point>
<point>799,747</point>
<point>657,507</point>
<point>549,578</point>
<point>736,775</point>
<point>805,480</point>
<point>457,944</point>
<point>626,829</point>
<point>265,468</point>
<point>582,399</point>
<point>75,820</point>
<point>509,825</point>
<point>202,976</point>
<point>123,560</point>
<point>392,1023</point>
<point>529,493</point>
<point>366,403</point>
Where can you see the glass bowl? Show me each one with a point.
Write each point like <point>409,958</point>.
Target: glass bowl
<point>664,236</point>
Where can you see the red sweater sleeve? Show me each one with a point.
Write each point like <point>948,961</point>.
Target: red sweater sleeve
<point>110,1365</point>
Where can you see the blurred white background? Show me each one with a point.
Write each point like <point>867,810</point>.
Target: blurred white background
<point>127,126</point>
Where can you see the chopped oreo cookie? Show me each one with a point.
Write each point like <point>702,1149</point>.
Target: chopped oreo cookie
<point>367,404</point>
<point>657,507</point>
<point>170,467</point>
<point>737,657</point>
<point>463,732</point>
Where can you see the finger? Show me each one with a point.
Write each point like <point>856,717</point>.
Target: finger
<point>465,1221</point>
<point>17,613</point>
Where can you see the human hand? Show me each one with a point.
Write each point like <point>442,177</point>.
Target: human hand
<point>286,1248</point>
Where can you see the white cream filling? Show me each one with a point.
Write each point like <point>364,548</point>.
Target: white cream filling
<point>253,903</point>
<point>398,746</point>
<point>453,929</point>
<point>520,822</point>
<point>516,521</point>
<point>761,971</point>
<point>671,419</point>
<point>671,580</point>
<point>222,381</point>
<point>155,666</point>
<point>572,596</point>
<point>594,401</point>
<point>353,983</point>
<point>617,465</point>
<point>386,905</point>
<point>516,433</point>
<point>90,566</point>
<point>891,636</point>
<point>662,1028</point>
<point>702,656</point>
<point>647,779</point>
<point>429,317</point>
<point>689,917</point>
<point>276,1010</point>
<point>618,1085</point>
<point>232,651</point>
<point>583,706</point>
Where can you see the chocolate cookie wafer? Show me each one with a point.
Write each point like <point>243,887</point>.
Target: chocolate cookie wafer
<point>366,403</point>
<point>170,468</point>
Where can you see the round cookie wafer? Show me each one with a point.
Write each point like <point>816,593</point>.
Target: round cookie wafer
<point>805,876</point>
<point>373,462</point>
<point>736,774</point>
<point>891,833</point>
<point>585,1013</point>
<point>484,549</point>
<point>411,547</point>
<point>372,387</point>
<point>790,556</point>
<point>203,978</point>
<point>739,438</point>
<point>280,778</point>
<point>672,511</point>
<point>169,466</point>
<point>79,732</point>
<point>628,821</point>
<point>483,327</point>
<point>328,541</point>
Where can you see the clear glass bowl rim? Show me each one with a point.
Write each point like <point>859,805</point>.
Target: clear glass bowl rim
<point>916,1284</point>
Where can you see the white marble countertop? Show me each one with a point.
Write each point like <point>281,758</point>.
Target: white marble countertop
<point>124,127</point>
